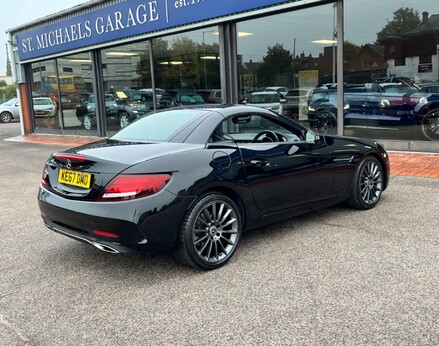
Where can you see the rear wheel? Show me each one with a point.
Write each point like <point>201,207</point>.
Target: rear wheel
<point>209,233</point>
<point>88,122</point>
<point>326,122</point>
<point>430,125</point>
<point>368,184</point>
<point>5,117</point>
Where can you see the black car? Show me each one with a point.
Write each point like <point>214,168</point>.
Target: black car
<point>191,180</point>
<point>176,97</point>
<point>388,107</point>
<point>117,111</point>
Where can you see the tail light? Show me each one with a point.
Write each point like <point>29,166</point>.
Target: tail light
<point>44,181</point>
<point>126,187</point>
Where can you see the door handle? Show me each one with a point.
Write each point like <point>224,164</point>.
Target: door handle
<point>260,163</point>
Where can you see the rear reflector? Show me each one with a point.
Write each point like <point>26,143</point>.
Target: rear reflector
<point>105,234</point>
<point>125,187</point>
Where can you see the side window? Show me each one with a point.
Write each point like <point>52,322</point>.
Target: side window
<point>255,128</point>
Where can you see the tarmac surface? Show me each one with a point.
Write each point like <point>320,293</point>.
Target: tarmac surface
<point>333,277</point>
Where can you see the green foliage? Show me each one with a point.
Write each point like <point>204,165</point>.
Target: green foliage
<point>178,64</point>
<point>350,51</point>
<point>8,92</point>
<point>404,20</point>
<point>8,67</point>
<point>3,84</point>
<point>278,60</point>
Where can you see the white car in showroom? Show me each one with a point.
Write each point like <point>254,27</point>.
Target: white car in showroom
<point>265,99</point>
<point>44,107</point>
<point>9,110</point>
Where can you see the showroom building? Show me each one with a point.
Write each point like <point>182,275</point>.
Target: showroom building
<point>93,68</point>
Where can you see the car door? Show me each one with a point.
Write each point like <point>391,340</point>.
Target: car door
<point>285,172</point>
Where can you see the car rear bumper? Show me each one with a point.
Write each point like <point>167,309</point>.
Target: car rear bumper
<point>146,224</point>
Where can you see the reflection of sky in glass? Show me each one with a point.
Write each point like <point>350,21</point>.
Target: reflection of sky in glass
<point>296,30</point>
<point>362,22</point>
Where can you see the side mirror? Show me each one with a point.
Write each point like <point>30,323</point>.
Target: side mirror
<point>311,137</point>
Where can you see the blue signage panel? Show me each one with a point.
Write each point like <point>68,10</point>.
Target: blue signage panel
<point>125,19</point>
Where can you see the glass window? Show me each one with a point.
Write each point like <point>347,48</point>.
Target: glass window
<point>45,104</point>
<point>187,68</point>
<point>158,126</point>
<point>393,44</point>
<point>284,55</point>
<point>126,74</point>
<point>75,87</point>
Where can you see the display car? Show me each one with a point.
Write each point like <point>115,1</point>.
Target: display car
<point>192,179</point>
<point>385,107</point>
<point>117,111</point>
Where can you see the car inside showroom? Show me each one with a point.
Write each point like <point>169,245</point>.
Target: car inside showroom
<point>100,65</point>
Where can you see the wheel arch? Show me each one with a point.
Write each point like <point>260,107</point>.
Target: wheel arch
<point>233,195</point>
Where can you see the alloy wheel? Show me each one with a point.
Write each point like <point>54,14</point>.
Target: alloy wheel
<point>371,182</point>
<point>215,232</point>
<point>430,126</point>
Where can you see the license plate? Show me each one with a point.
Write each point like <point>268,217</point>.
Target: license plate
<point>80,179</point>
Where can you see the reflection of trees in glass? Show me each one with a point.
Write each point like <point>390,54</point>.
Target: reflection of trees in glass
<point>181,63</point>
<point>404,19</point>
<point>277,62</point>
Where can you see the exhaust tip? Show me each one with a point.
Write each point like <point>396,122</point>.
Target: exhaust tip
<point>105,248</point>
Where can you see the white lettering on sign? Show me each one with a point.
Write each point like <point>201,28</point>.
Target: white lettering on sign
<point>118,20</point>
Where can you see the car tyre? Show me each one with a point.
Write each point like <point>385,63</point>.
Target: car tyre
<point>210,232</point>
<point>368,184</point>
<point>326,122</point>
<point>5,117</point>
<point>124,120</point>
<point>430,125</point>
<point>88,122</point>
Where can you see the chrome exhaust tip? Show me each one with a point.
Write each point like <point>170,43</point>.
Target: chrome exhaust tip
<point>104,248</point>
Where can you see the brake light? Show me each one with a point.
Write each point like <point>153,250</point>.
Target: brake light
<point>71,157</point>
<point>125,187</point>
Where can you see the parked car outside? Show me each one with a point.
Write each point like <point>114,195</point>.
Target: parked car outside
<point>190,180</point>
<point>211,95</point>
<point>429,87</point>
<point>141,102</point>
<point>176,98</point>
<point>158,92</point>
<point>280,89</point>
<point>44,107</point>
<point>10,110</point>
<point>116,110</point>
<point>386,108</point>
<point>266,99</point>
<point>296,104</point>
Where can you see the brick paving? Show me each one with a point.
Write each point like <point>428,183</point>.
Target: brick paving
<point>401,163</point>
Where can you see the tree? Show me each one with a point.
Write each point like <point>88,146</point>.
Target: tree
<point>8,67</point>
<point>277,61</point>
<point>404,20</point>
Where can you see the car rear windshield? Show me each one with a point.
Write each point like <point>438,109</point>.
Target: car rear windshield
<point>160,126</point>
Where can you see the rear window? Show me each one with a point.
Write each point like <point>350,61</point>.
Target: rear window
<point>160,126</point>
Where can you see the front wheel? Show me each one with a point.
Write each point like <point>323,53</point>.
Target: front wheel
<point>124,119</point>
<point>430,125</point>
<point>326,122</point>
<point>5,117</point>
<point>368,184</point>
<point>210,232</point>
